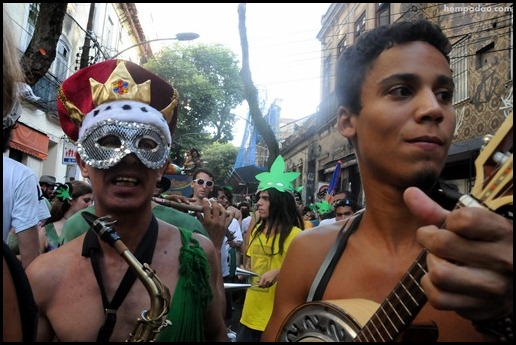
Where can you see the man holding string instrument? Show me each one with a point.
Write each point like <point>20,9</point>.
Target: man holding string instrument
<point>122,117</point>
<point>395,93</point>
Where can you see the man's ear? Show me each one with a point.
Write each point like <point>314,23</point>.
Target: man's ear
<point>82,166</point>
<point>345,124</point>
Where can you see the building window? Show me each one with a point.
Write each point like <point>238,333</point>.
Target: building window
<point>383,14</point>
<point>459,66</point>
<point>31,25</point>
<point>342,46</point>
<point>61,63</point>
<point>485,56</point>
<point>109,38</point>
<point>360,26</point>
<point>326,76</point>
<point>46,88</point>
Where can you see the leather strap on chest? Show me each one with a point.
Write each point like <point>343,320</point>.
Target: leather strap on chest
<point>326,270</point>
<point>144,253</point>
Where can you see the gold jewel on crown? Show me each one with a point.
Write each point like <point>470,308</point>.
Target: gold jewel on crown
<point>119,86</point>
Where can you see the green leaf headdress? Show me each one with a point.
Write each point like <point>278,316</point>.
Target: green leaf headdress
<point>277,177</point>
<point>63,192</point>
<point>323,207</point>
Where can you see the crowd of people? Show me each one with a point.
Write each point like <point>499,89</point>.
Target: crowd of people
<point>72,239</point>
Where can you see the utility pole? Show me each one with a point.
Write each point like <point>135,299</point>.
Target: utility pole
<point>85,56</point>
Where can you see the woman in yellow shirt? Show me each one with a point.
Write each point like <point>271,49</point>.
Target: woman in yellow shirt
<point>279,222</point>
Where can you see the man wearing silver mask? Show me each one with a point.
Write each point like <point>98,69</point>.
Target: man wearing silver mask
<point>122,117</point>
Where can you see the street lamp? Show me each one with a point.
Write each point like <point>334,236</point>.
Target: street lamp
<point>182,36</point>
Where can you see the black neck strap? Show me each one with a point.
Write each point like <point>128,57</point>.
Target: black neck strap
<point>144,253</point>
<point>326,270</point>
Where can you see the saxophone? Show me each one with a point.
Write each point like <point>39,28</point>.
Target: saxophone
<point>150,322</point>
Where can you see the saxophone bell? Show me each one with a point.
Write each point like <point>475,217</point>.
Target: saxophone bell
<point>152,321</point>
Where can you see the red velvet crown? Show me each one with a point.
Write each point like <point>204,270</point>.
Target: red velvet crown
<point>110,81</point>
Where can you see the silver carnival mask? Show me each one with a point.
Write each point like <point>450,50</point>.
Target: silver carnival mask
<point>105,144</point>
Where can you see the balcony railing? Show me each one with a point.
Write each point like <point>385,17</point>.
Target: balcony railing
<point>46,88</point>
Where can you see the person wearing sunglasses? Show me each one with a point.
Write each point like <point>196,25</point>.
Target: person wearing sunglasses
<point>344,209</point>
<point>202,184</point>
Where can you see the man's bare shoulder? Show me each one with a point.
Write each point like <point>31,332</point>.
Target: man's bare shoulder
<point>322,231</point>
<point>50,267</point>
<point>324,236</point>
<point>164,226</point>
<point>173,231</point>
<point>63,253</point>
<point>204,241</point>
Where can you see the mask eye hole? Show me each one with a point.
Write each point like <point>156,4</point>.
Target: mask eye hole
<point>110,142</point>
<point>147,143</point>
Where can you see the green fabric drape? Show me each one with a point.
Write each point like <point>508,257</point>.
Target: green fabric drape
<point>191,296</point>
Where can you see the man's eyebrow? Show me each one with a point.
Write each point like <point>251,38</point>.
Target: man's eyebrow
<point>400,77</point>
<point>442,80</point>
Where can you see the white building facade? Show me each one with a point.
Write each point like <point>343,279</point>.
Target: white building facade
<point>38,141</point>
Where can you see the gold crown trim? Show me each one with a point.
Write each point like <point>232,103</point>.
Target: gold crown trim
<point>75,114</point>
<point>119,86</point>
<point>168,112</point>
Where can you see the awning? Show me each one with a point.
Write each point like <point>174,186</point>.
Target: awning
<point>30,141</point>
<point>243,179</point>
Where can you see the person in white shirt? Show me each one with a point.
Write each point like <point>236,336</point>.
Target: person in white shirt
<point>232,243</point>
<point>23,205</point>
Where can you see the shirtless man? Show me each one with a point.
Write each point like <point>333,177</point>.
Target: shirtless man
<point>395,93</point>
<point>126,116</point>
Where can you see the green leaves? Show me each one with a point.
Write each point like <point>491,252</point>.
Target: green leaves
<point>209,85</point>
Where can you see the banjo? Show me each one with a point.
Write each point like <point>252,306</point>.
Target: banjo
<point>362,320</point>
